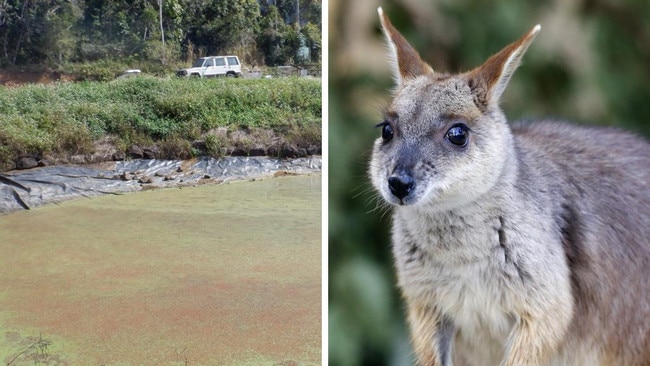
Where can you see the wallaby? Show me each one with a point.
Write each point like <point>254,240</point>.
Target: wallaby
<point>522,245</point>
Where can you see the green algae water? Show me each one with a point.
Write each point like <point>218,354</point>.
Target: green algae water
<point>223,274</point>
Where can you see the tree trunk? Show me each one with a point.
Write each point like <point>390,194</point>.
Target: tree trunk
<point>162,30</point>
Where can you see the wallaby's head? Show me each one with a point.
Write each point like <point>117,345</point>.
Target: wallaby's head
<point>444,141</point>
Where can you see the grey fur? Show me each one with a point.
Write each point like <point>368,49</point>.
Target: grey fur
<point>445,336</point>
<point>530,246</point>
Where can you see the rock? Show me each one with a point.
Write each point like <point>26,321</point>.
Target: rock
<point>150,152</point>
<point>169,177</point>
<point>288,152</point>
<point>118,156</point>
<point>273,151</point>
<point>48,160</point>
<point>201,146</point>
<point>179,169</point>
<point>135,152</point>
<point>147,154</point>
<point>78,159</point>
<point>62,160</point>
<point>126,176</point>
<point>257,151</point>
<point>302,152</point>
<point>102,150</point>
<point>238,151</point>
<point>145,179</point>
<point>26,163</point>
<point>312,150</point>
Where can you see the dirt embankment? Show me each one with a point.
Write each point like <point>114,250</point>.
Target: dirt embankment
<point>238,143</point>
<point>21,77</point>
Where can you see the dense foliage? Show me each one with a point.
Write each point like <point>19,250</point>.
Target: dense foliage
<point>55,32</point>
<point>590,64</point>
<point>69,117</point>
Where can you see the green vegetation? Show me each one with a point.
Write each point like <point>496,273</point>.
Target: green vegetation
<point>70,118</point>
<point>58,32</point>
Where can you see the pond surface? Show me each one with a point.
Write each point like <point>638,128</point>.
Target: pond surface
<point>224,274</point>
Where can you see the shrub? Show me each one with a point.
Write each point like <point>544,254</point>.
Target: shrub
<point>214,145</point>
<point>69,117</point>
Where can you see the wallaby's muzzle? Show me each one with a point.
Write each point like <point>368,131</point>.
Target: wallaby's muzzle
<point>401,182</point>
<point>401,185</point>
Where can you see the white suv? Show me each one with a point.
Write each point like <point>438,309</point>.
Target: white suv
<point>212,66</point>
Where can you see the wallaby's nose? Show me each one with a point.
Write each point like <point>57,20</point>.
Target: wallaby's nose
<point>401,185</point>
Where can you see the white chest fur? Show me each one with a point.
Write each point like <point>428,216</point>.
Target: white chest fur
<point>459,263</point>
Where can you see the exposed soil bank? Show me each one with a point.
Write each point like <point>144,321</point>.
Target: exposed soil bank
<point>220,142</point>
<point>20,77</point>
<point>212,275</point>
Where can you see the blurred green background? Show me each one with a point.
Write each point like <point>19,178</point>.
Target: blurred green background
<point>590,64</point>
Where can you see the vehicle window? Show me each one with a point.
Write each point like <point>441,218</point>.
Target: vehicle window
<point>220,61</point>
<point>198,63</point>
<point>209,63</point>
<point>233,61</point>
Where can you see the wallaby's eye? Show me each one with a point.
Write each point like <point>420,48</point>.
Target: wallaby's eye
<point>386,131</point>
<point>458,135</point>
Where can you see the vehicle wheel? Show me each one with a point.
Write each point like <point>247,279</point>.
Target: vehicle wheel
<point>230,75</point>
<point>197,76</point>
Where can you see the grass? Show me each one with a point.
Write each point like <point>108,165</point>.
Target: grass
<point>68,118</point>
<point>37,351</point>
<point>197,278</point>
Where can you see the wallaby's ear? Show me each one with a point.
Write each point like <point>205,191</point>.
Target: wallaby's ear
<point>489,80</point>
<point>407,63</point>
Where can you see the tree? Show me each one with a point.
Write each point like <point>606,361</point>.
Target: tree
<point>60,31</point>
<point>24,27</point>
<point>278,40</point>
<point>221,26</point>
<point>304,10</point>
<point>117,28</point>
<point>312,34</point>
<point>162,29</point>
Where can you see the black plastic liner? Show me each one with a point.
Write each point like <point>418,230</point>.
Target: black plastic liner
<point>35,187</point>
